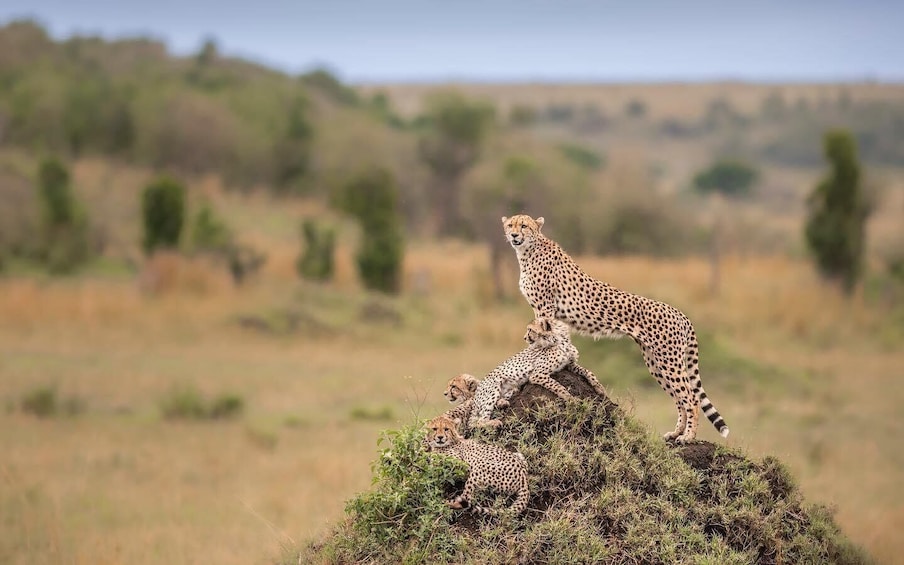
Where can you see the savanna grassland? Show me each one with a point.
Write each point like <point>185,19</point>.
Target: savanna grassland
<point>799,373</point>
<point>152,411</point>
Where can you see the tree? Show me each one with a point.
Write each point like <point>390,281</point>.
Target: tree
<point>163,212</point>
<point>727,177</point>
<point>450,146</point>
<point>372,198</point>
<point>209,233</point>
<point>64,226</point>
<point>839,208</point>
<point>317,259</point>
<point>508,192</point>
<point>291,153</point>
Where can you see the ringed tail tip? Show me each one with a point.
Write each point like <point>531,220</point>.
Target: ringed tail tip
<point>724,431</point>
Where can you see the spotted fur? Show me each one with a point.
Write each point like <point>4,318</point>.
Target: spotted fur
<point>549,350</point>
<point>489,466</point>
<point>556,287</point>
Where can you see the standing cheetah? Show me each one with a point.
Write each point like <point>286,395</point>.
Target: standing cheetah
<point>488,466</point>
<point>555,286</point>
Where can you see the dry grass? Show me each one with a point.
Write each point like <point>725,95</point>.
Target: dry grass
<point>120,485</point>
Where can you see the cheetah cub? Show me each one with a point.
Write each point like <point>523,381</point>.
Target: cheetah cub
<point>489,466</point>
<point>556,287</point>
<point>549,350</point>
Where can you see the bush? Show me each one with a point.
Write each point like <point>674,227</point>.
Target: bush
<point>187,403</point>
<point>43,402</point>
<point>582,156</point>
<point>163,213</point>
<point>372,198</point>
<point>835,229</point>
<point>226,406</point>
<point>64,226</point>
<point>209,233</point>
<point>317,259</point>
<point>407,506</point>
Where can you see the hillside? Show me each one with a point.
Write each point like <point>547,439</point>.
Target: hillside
<point>604,489</point>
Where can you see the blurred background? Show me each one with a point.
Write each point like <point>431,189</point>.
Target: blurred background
<point>236,242</point>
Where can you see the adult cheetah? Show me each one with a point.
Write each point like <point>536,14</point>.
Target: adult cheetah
<point>489,466</point>
<point>555,286</point>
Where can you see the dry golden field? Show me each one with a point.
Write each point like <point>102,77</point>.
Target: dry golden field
<point>797,371</point>
<point>117,483</point>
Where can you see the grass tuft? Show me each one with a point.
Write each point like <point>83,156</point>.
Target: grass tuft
<point>187,403</point>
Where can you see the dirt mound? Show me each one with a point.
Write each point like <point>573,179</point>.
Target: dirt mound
<point>604,489</point>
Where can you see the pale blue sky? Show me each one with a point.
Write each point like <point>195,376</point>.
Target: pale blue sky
<point>516,40</point>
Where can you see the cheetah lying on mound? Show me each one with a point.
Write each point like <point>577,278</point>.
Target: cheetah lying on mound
<point>488,466</point>
<point>464,387</point>
<point>549,350</point>
<point>556,287</point>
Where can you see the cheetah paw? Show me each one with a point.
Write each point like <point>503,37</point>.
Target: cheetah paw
<point>502,403</point>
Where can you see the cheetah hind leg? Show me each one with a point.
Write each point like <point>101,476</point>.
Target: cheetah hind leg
<point>463,500</point>
<point>690,431</point>
<point>588,376</point>
<point>667,386</point>
<point>550,384</point>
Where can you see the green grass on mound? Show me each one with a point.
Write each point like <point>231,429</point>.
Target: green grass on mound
<point>603,490</point>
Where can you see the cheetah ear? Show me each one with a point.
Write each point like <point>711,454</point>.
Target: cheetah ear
<point>540,221</point>
<point>472,382</point>
<point>457,421</point>
<point>504,219</point>
<point>546,324</point>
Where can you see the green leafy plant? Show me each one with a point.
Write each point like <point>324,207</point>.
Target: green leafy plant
<point>163,214</point>
<point>317,259</point>
<point>839,208</point>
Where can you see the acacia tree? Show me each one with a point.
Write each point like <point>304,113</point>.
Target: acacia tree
<point>723,179</point>
<point>450,145</point>
<point>521,179</point>
<point>839,209</point>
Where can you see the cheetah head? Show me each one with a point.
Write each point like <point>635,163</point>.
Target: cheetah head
<point>461,387</point>
<point>546,332</point>
<point>521,230</point>
<point>443,432</point>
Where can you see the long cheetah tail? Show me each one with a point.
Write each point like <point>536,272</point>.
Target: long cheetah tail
<point>713,415</point>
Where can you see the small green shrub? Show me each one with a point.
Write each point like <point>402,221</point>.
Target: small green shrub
<point>64,225</point>
<point>581,156</point>
<point>372,198</point>
<point>317,259</point>
<point>406,508</point>
<point>209,233</point>
<point>163,214</point>
<point>183,403</point>
<point>382,414</point>
<point>42,402</point>
<point>187,403</point>
<point>226,406</point>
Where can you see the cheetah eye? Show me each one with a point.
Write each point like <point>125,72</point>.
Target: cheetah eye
<point>523,226</point>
